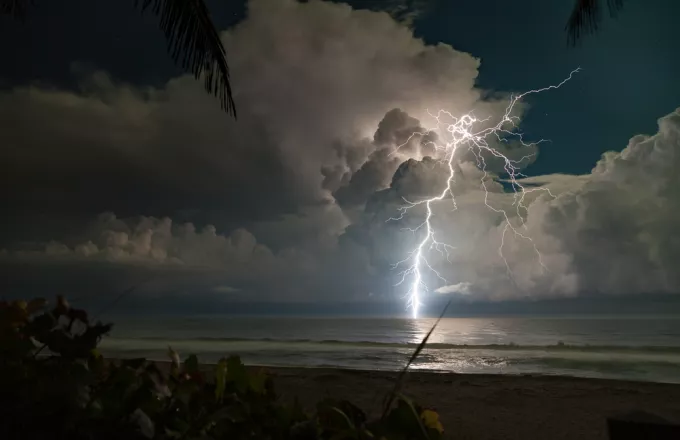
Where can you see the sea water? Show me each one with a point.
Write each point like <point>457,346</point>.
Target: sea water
<point>637,348</point>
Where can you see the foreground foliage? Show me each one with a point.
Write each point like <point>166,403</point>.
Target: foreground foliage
<point>55,384</point>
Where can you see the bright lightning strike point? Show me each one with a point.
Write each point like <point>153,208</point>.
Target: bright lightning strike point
<point>460,132</point>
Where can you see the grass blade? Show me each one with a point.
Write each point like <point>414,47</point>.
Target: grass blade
<point>389,399</point>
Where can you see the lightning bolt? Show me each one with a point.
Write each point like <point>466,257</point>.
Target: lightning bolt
<point>460,132</point>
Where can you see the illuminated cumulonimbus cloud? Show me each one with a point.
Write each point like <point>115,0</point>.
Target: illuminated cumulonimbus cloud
<point>456,133</point>
<point>300,188</point>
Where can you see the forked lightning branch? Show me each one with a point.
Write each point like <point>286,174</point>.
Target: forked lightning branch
<point>454,133</point>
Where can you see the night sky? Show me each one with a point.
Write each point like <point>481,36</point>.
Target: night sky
<point>109,152</point>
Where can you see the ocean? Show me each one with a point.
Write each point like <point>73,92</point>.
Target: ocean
<point>638,348</point>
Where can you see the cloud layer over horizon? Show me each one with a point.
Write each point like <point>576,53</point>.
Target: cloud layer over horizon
<point>291,201</point>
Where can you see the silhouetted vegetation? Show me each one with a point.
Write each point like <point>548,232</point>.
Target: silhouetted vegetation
<point>586,16</point>
<point>55,384</point>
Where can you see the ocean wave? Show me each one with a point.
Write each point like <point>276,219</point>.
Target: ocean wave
<point>406,345</point>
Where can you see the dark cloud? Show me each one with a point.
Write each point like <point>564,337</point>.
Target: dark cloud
<point>308,76</point>
<point>117,147</point>
<point>609,232</point>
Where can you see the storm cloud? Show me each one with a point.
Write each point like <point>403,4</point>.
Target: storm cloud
<point>293,201</point>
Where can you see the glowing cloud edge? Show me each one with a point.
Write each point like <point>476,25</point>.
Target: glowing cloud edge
<point>461,134</point>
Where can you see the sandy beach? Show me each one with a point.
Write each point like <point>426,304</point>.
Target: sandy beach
<point>497,407</point>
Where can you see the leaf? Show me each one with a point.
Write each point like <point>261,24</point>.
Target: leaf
<point>125,377</point>
<point>14,347</point>
<point>405,418</point>
<point>41,326</point>
<point>345,417</point>
<point>144,422</point>
<point>61,307</point>
<point>179,426</point>
<point>586,16</point>
<point>232,413</point>
<point>96,361</point>
<point>237,373</point>
<point>184,391</point>
<point>331,416</point>
<point>191,364</point>
<point>35,305</point>
<point>135,364</point>
<point>78,314</point>
<point>16,315</point>
<point>174,356</point>
<point>389,399</point>
<point>220,379</point>
<point>152,369</point>
<point>305,429</point>
<point>170,433</point>
<point>353,412</point>
<point>431,420</point>
<point>14,8</point>
<point>258,382</point>
<point>195,44</point>
<point>291,414</point>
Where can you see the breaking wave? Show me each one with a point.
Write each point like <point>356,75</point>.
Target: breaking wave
<point>430,346</point>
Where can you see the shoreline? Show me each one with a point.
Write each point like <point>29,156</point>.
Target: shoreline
<point>487,406</point>
<point>428,371</point>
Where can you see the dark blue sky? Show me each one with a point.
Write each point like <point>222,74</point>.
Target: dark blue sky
<point>629,77</point>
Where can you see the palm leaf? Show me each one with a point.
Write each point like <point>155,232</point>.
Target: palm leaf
<point>15,8</point>
<point>194,43</point>
<point>586,17</point>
